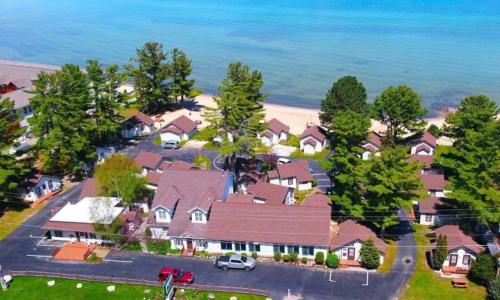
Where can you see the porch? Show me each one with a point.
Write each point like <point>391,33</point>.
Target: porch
<point>347,263</point>
<point>448,271</point>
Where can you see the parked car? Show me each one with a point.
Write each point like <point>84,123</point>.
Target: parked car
<point>235,262</point>
<point>283,161</point>
<point>170,145</point>
<point>179,276</point>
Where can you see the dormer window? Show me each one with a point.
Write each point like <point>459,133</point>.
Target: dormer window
<point>198,216</point>
<point>162,214</point>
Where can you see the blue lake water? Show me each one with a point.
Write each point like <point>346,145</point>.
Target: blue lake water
<point>445,49</point>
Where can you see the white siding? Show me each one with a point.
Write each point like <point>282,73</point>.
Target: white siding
<point>159,233</point>
<point>342,252</point>
<point>43,188</point>
<point>430,150</point>
<point>305,186</point>
<point>460,252</point>
<point>266,249</point>
<point>71,236</point>
<point>433,221</point>
<point>162,215</point>
<point>169,136</point>
<point>138,130</point>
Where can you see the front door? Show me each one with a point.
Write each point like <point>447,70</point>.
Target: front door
<point>351,253</point>
<point>453,260</point>
<point>77,234</point>
<point>189,244</point>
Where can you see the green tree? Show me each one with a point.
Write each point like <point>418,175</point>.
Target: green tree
<point>239,112</point>
<point>434,130</point>
<point>332,260</point>
<point>181,70</point>
<point>390,183</point>
<point>473,113</point>
<point>473,170</point>
<point>119,176</point>
<point>400,110</point>
<point>348,130</point>
<point>104,221</point>
<point>441,251</point>
<point>370,255</point>
<point>60,121</point>
<point>150,77</point>
<point>494,289</point>
<point>105,101</point>
<point>11,169</point>
<point>483,269</point>
<point>347,93</point>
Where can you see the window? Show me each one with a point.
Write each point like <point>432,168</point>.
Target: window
<point>428,218</point>
<point>179,242</point>
<point>162,214</point>
<point>226,246</point>
<point>51,185</point>
<point>198,216</point>
<point>279,248</point>
<point>254,247</point>
<point>307,250</point>
<point>466,260</point>
<point>92,235</point>
<point>293,249</point>
<point>290,181</point>
<point>58,233</point>
<point>344,253</point>
<point>240,246</point>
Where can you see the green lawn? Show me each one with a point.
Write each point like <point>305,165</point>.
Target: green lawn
<point>12,219</point>
<point>34,288</point>
<point>188,294</point>
<point>425,284</point>
<point>317,156</point>
<point>389,256</point>
<point>127,112</point>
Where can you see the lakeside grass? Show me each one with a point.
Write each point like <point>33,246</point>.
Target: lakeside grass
<point>12,219</point>
<point>389,257</point>
<point>425,284</point>
<point>29,288</point>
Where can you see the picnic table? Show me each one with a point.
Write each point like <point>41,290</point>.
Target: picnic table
<point>459,282</point>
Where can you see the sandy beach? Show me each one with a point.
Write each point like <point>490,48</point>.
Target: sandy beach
<point>295,117</point>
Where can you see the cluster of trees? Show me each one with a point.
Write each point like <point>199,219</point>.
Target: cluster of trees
<point>375,189</point>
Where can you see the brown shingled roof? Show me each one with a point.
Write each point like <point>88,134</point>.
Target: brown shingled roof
<point>89,189</point>
<point>277,126</point>
<point>433,181</point>
<point>317,200</point>
<point>270,193</point>
<point>298,169</point>
<point>153,178</point>
<point>277,224</point>
<point>422,159</point>
<point>143,118</point>
<point>148,159</point>
<point>239,198</point>
<point>351,231</point>
<point>314,131</point>
<point>183,123</point>
<point>374,141</point>
<point>69,226</point>
<point>429,205</point>
<point>456,238</point>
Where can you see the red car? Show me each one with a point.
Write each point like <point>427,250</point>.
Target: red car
<point>180,276</point>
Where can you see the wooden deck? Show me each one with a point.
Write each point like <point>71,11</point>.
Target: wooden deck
<point>344,263</point>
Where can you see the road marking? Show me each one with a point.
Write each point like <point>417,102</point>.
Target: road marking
<point>119,261</point>
<point>366,284</point>
<point>331,280</point>
<point>36,255</point>
<point>319,174</point>
<point>322,179</point>
<point>324,186</point>
<point>36,237</point>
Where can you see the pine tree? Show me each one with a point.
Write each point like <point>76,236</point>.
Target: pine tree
<point>150,77</point>
<point>105,101</point>
<point>370,255</point>
<point>400,110</point>
<point>483,269</point>
<point>441,251</point>
<point>239,112</point>
<point>181,70</point>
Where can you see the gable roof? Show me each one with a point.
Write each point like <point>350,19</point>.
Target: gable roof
<point>426,137</point>
<point>298,169</point>
<point>429,205</point>
<point>422,159</point>
<point>456,238</point>
<point>277,126</point>
<point>270,193</point>
<point>89,189</point>
<point>148,159</point>
<point>143,118</point>
<point>153,178</point>
<point>314,131</point>
<point>350,231</point>
<point>183,123</point>
<point>277,224</point>
<point>177,165</point>
<point>311,142</point>
<point>433,181</point>
<point>317,200</point>
<point>373,143</point>
<point>239,198</point>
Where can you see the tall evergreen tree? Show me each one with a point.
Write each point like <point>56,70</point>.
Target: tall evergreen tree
<point>11,169</point>
<point>348,130</point>
<point>239,113</point>
<point>347,93</point>
<point>390,183</point>
<point>400,110</point>
<point>150,77</point>
<point>60,121</point>
<point>441,252</point>
<point>370,255</point>
<point>473,113</point>
<point>105,101</point>
<point>181,70</point>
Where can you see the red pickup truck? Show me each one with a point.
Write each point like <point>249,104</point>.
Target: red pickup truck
<point>180,276</point>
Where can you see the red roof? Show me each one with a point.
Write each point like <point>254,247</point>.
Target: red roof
<point>317,200</point>
<point>148,159</point>
<point>270,193</point>
<point>435,182</point>
<point>351,231</point>
<point>268,134</point>
<point>89,189</point>
<point>429,139</point>
<point>374,141</point>
<point>153,178</point>
<point>310,141</point>
<point>183,123</point>
<point>145,119</point>
<point>456,238</point>
<point>239,198</point>
<point>172,129</point>
<point>429,205</point>
<point>314,131</point>
<point>277,224</point>
<point>298,169</point>
<point>422,159</point>
<point>277,126</point>
<point>181,165</point>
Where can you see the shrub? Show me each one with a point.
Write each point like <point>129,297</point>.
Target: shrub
<point>277,256</point>
<point>286,258</point>
<point>483,269</point>
<point>441,252</point>
<point>332,260</point>
<point>161,247</point>
<point>304,260</point>
<point>319,258</point>
<point>230,253</point>
<point>434,130</point>
<point>293,256</point>
<point>148,232</point>
<point>370,255</point>
<point>244,254</point>
<point>255,255</point>
<point>494,289</point>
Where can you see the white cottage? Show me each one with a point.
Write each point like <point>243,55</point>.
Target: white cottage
<point>276,131</point>
<point>41,185</point>
<point>296,175</point>
<point>137,125</point>
<point>313,140</point>
<point>372,145</point>
<point>424,145</point>
<point>180,129</point>
<point>428,210</point>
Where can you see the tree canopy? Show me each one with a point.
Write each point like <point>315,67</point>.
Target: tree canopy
<point>119,176</point>
<point>239,112</point>
<point>347,93</point>
<point>400,110</point>
<point>181,69</point>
